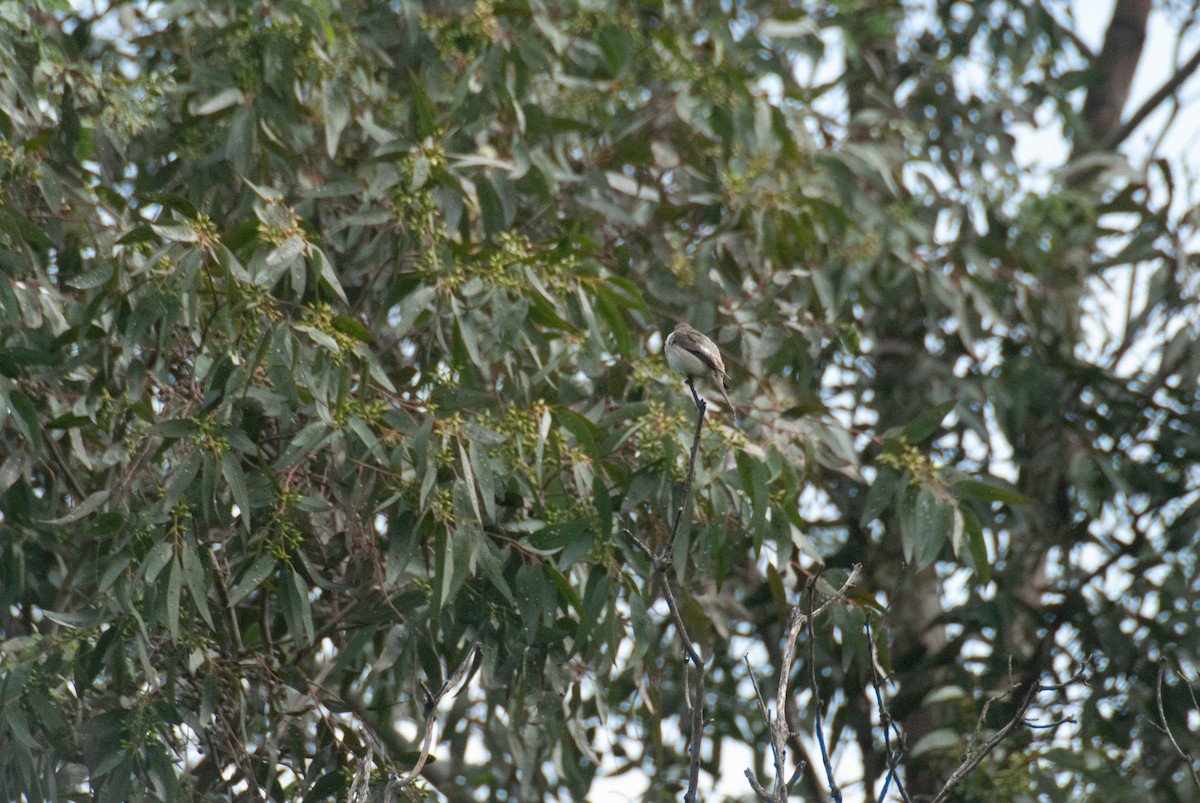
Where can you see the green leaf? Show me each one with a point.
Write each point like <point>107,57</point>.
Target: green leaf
<point>946,740</point>
<point>297,610</point>
<point>197,579</point>
<point>287,251</point>
<point>335,101</point>
<point>489,561</point>
<point>96,277</point>
<point>925,524</point>
<point>328,275</point>
<point>183,477</point>
<point>85,508</point>
<point>584,430</point>
<point>484,478</point>
<point>230,96</point>
<point>231,470</point>
<point>26,418</point>
<point>420,172</point>
<point>176,428</point>
<point>349,326</point>
<point>616,47</point>
<point>468,481</point>
<point>306,440</point>
<point>976,546</point>
<point>491,208</point>
<point>18,726</point>
<point>557,536</point>
<point>989,490</point>
<point>883,490</point>
<point>156,559</point>
<point>175,233</point>
<point>84,620</point>
<point>253,577</point>
<point>10,472</point>
<point>753,474</point>
<point>927,422</point>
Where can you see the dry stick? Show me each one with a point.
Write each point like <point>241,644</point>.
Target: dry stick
<point>834,791</point>
<point>975,755</point>
<point>778,723</point>
<point>778,753</point>
<point>455,684</point>
<point>660,564</point>
<point>885,719</point>
<point>696,700</point>
<point>701,406</point>
<point>1184,754</point>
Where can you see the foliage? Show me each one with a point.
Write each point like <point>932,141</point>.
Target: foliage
<point>328,341</point>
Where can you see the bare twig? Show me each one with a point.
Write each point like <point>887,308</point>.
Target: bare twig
<point>1162,714</point>
<point>701,406</point>
<point>695,700</point>
<point>834,791</point>
<point>976,752</point>
<point>777,722</point>
<point>660,564</point>
<point>778,752</point>
<point>886,721</point>
<point>453,686</point>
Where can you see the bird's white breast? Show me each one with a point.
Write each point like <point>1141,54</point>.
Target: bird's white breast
<point>685,362</point>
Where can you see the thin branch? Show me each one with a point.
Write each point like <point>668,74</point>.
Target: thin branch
<point>777,723</point>
<point>1152,103</point>
<point>976,753</point>
<point>834,791</point>
<point>669,552</point>
<point>660,563</point>
<point>1162,714</point>
<point>455,684</point>
<point>778,752</point>
<point>885,720</point>
<point>695,700</point>
<point>1067,31</point>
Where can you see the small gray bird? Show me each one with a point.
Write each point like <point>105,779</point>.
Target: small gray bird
<point>692,354</point>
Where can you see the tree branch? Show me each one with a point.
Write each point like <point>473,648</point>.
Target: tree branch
<point>660,564</point>
<point>977,753</point>
<point>834,791</point>
<point>777,723</point>
<point>886,721</point>
<point>455,684</point>
<point>669,552</point>
<point>1115,66</point>
<point>1162,714</point>
<point>1165,91</point>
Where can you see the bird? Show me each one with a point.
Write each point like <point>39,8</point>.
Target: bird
<point>691,354</point>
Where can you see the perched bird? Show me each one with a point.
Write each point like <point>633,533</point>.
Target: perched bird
<point>692,354</point>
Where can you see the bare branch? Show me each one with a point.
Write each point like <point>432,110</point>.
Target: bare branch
<point>886,721</point>
<point>834,791</point>
<point>777,722</point>
<point>1169,88</point>
<point>695,700</point>
<point>453,686</point>
<point>1115,67</point>
<point>976,752</point>
<point>701,406</point>
<point>660,563</point>
<point>1162,714</point>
